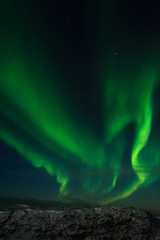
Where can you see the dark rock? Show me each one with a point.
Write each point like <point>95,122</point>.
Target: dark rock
<point>80,224</point>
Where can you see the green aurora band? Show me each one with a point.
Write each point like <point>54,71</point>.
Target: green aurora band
<point>37,116</point>
<point>28,107</point>
<point>124,108</point>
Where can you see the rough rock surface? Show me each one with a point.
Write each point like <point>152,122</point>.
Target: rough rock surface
<point>79,224</point>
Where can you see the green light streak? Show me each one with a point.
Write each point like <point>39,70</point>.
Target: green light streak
<point>45,109</point>
<point>36,159</point>
<point>141,140</point>
<point>126,105</point>
<point>44,115</point>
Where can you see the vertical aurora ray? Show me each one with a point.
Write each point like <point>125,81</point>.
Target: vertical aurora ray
<point>142,136</point>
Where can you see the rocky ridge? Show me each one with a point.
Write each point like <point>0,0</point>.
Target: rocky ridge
<point>109,222</point>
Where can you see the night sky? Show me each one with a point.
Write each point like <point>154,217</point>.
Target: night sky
<point>79,100</point>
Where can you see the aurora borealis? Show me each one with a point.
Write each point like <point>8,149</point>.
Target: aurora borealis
<point>79,91</point>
